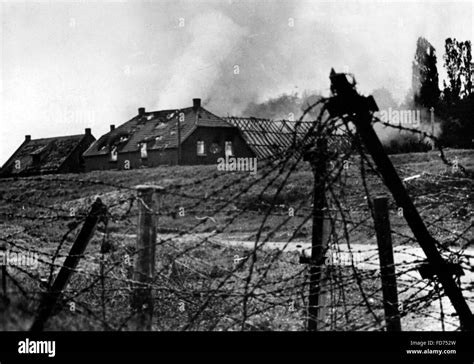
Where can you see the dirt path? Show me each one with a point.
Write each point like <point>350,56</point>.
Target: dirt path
<point>365,257</point>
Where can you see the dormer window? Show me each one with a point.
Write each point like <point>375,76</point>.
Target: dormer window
<point>113,154</point>
<point>143,151</point>
<point>36,155</point>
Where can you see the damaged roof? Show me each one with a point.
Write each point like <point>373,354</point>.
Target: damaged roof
<point>269,138</point>
<point>272,138</point>
<point>41,156</point>
<point>158,129</point>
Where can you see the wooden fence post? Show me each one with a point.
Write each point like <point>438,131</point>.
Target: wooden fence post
<point>142,298</point>
<point>387,267</point>
<point>97,212</point>
<point>346,101</point>
<point>320,236</point>
<point>432,122</point>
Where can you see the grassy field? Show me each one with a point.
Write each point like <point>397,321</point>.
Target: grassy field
<point>73,194</point>
<point>42,213</point>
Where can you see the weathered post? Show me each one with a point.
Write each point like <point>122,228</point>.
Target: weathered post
<point>97,212</point>
<point>433,146</point>
<point>142,298</point>
<point>387,267</point>
<point>346,101</point>
<point>320,236</point>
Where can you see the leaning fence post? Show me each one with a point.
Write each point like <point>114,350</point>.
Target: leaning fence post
<point>347,101</point>
<point>387,267</point>
<point>97,212</point>
<point>142,298</point>
<point>320,235</point>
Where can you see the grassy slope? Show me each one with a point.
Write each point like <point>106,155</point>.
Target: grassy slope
<point>36,212</point>
<point>24,196</point>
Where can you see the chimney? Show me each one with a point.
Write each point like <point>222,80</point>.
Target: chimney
<point>27,138</point>
<point>196,104</point>
<point>141,111</point>
<point>112,127</point>
<point>88,131</point>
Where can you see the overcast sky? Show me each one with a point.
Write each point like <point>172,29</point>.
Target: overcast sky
<point>67,66</point>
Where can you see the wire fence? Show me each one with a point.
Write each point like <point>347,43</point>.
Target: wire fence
<point>231,247</point>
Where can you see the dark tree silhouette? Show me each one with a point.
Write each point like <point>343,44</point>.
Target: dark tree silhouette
<point>425,75</point>
<point>457,61</point>
<point>457,106</point>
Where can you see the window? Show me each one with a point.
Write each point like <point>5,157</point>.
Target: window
<point>201,148</point>
<point>228,149</point>
<point>113,154</point>
<point>143,151</point>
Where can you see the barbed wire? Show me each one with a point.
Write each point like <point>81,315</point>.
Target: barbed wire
<point>205,281</point>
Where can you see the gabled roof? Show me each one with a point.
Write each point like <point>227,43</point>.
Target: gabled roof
<point>159,129</point>
<point>38,156</point>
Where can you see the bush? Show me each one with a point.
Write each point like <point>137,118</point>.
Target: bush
<point>407,143</point>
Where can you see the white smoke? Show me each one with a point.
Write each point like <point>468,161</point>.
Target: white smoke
<point>213,37</point>
<point>87,64</point>
<point>292,47</point>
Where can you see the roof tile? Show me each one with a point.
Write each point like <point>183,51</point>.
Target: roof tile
<point>157,128</point>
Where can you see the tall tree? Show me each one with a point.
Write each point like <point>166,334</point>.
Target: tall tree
<point>457,61</point>
<point>425,74</point>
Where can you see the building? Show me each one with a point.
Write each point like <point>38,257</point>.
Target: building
<point>48,155</point>
<point>270,139</point>
<point>154,138</point>
<point>273,139</point>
